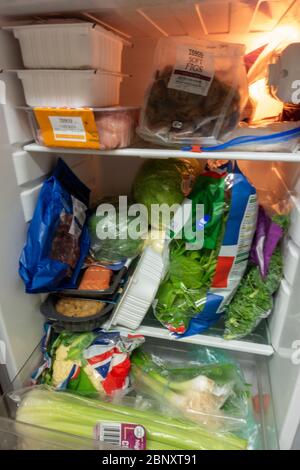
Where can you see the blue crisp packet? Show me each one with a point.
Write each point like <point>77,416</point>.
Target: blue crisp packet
<point>57,239</point>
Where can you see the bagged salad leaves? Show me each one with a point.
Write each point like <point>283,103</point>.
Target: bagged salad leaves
<point>209,390</point>
<point>57,239</point>
<point>164,182</point>
<point>74,414</point>
<point>95,362</point>
<point>253,301</point>
<point>200,283</point>
<point>110,239</point>
<point>198,91</point>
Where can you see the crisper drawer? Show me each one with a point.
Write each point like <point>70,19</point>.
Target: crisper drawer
<point>24,437</point>
<point>255,370</point>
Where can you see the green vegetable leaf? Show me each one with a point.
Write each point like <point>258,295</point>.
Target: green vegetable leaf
<point>253,299</point>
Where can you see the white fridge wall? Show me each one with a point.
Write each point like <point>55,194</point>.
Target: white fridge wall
<point>21,177</point>
<point>20,322</point>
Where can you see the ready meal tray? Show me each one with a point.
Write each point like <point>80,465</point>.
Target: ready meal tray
<point>117,280</point>
<point>76,324</point>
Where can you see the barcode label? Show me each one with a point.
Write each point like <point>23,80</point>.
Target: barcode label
<point>110,433</point>
<point>125,435</point>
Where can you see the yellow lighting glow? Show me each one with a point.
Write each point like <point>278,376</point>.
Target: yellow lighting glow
<point>281,34</point>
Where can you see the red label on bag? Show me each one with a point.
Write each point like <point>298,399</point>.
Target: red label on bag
<point>223,268</point>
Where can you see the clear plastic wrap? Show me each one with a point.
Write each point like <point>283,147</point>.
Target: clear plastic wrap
<point>21,436</point>
<point>268,135</point>
<point>96,362</point>
<point>209,389</point>
<point>110,238</point>
<point>76,414</point>
<point>114,127</point>
<point>253,301</point>
<point>198,92</point>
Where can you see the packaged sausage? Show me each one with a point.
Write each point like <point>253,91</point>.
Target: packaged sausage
<point>197,94</point>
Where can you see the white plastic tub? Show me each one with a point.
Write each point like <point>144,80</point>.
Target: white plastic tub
<point>140,291</point>
<point>70,88</point>
<point>69,46</point>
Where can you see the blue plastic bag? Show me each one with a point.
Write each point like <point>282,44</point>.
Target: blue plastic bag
<point>57,238</point>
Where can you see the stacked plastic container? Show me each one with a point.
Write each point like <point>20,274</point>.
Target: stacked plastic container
<point>75,65</point>
<point>70,64</point>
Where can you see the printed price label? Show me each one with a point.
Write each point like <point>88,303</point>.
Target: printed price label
<point>193,71</point>
<point>126,435</point>
<point>66,127</point>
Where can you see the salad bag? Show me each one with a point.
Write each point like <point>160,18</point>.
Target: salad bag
<point>200,283</point>
<point>57,239</point>
<point>253,300</point>
<point>198,91</point>
<point>111,242</point>
<point>95,362</point>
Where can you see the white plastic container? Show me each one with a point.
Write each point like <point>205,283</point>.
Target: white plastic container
<point>69,46</point>
<point>70,88</point>
<point>140,291</point>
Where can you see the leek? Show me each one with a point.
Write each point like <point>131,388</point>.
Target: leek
<point>199,399</point>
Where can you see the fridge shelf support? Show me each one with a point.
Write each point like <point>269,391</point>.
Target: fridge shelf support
<point>165,153</point>
<point>205,340</point>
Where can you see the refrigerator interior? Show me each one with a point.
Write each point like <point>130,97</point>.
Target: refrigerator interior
<point>255,371</point>
<point>24,166</point>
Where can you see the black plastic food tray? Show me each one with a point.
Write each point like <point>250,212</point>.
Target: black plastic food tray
<point>76,324</point>
<point>116,279</point>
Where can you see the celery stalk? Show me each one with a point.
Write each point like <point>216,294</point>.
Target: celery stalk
<point>78,415</point>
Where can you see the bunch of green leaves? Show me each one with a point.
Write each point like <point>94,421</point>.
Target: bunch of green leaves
<point>253,299</point>
<point>182,293</point>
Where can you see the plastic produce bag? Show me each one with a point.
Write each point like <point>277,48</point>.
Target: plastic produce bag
<point>201,282</point>
<point>198,92</point>
<point>93,362</point>
<point>253,300</point>
<point>104,420</point>
<point>209,389</point>
<point>262,136</point>
<point>110,239</point>
<point>57,239</point>
<point>164,182</point>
